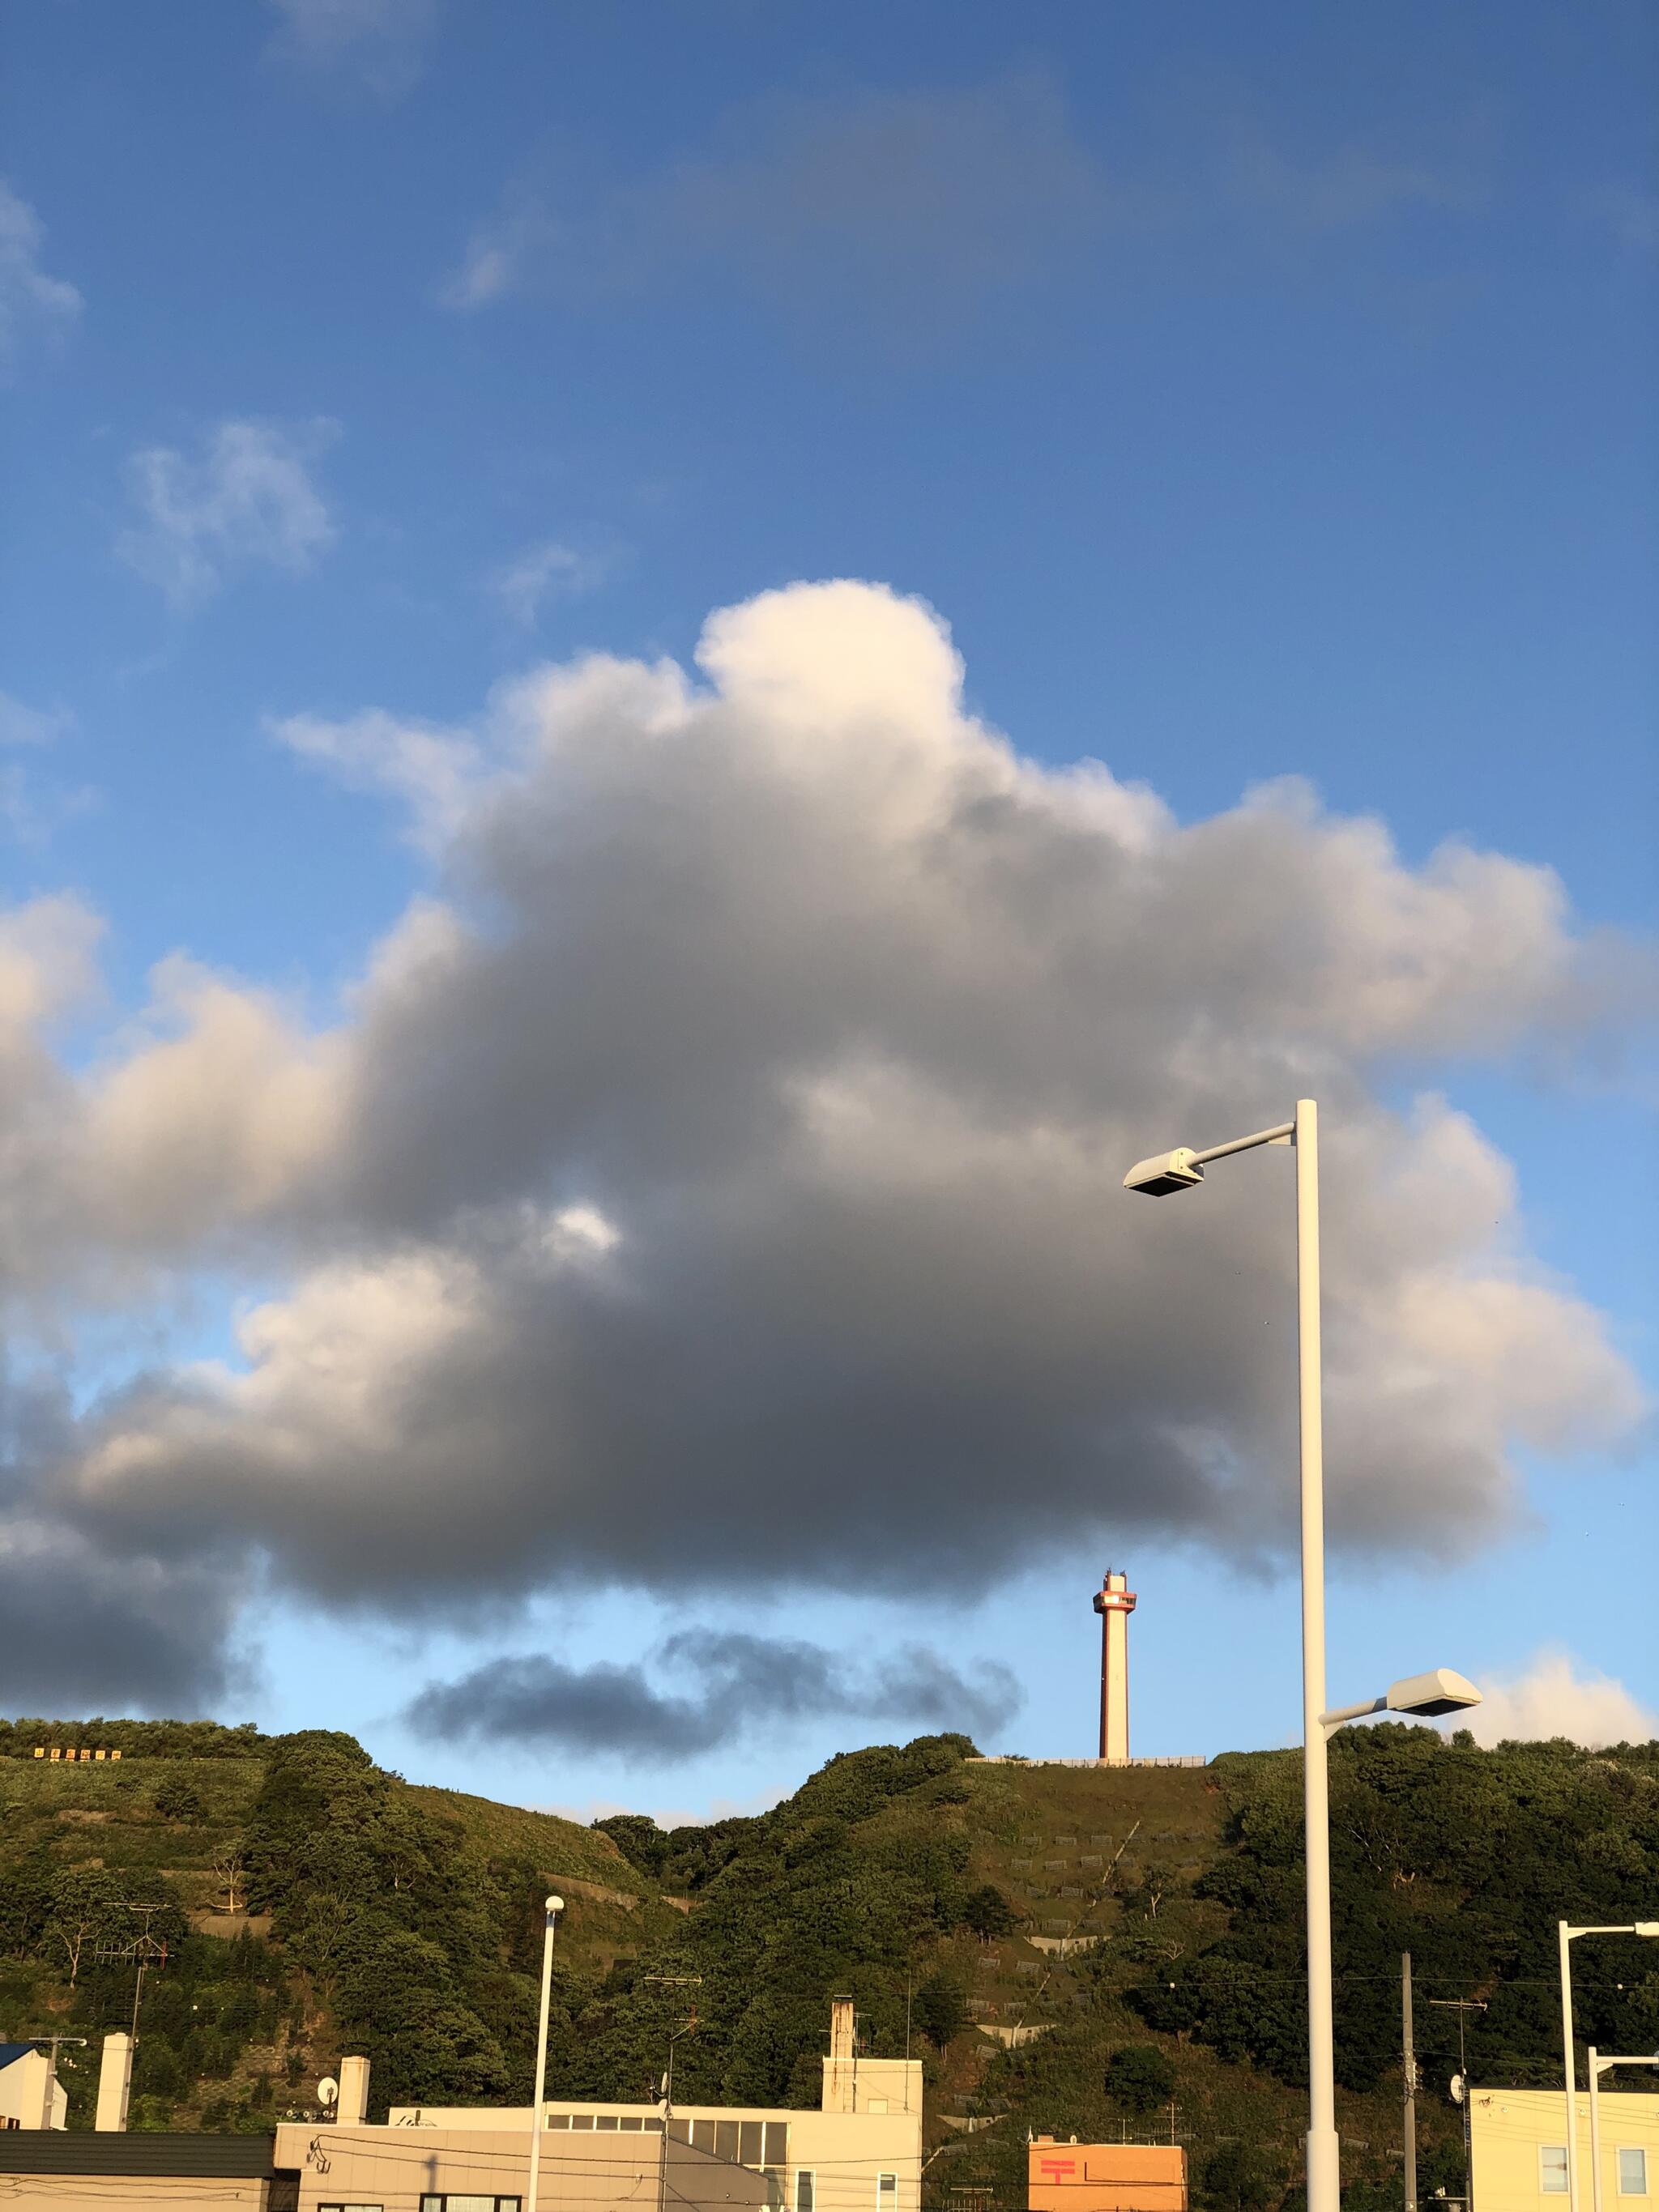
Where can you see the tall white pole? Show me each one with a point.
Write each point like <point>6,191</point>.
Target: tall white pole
<point>553,1907</point>
<point>1565,1935</point>
<point>1596,2129</point>
<point>1324,2159</point>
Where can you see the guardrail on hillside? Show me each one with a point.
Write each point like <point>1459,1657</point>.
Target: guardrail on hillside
<point>1013,1758</point>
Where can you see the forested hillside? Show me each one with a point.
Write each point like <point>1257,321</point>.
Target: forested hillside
<point>1069,1950</point>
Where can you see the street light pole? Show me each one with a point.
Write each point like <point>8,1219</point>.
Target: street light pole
<point>1408,2069</point>
<point>553,1908</point>
<point>1566,1935</point>
<point>1563,1935</point>
<point>1439,1691</point>
<point>1324,2170</point>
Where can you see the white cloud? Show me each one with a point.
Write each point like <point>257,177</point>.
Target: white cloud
<point>1557,1696</point>
<point>435,772</point>
<point>32,726</point>
<point>248,499</point>
<point>383,43</point>
<point>548,570</point>
<point>31,303</point>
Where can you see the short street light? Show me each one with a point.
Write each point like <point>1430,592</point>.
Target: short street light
<point>1436,1692</point>
<point>551,1910</point>
<point>1439,1691</point>
<point>1566,1935</point>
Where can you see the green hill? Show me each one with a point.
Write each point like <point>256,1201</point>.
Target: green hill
<point>938,1889</point>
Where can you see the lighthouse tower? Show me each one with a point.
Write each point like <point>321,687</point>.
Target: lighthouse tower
<point>1115,1602</point>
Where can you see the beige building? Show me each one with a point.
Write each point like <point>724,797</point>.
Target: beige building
<point>1518,2150</point>
<point>426,2168</point>
<point>861,2150</point>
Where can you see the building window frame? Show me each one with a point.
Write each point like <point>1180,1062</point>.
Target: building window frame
<point>806,2188</point>
<point>1551,2178</point>
<point>440,2200</point>
<point>887,2192</point>
<point>1637,2154</point>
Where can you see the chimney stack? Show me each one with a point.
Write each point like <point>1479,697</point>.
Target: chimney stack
<point>841,2070</point>
<point>1115,1602</point>
<point>114,2084</point>
<point>352,2109</point>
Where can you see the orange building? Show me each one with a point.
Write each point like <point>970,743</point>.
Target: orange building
<point>1074,2176</point>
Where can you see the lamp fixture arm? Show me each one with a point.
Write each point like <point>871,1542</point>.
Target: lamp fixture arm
<point>1282,1133</point>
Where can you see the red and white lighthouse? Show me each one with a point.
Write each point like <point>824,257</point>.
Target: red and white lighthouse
<point>1115,1602</point>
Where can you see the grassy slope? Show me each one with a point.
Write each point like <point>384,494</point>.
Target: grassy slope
<point>104,1815</point>
<point>1039,1834</point>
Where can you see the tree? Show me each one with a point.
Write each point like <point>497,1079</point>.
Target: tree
<point>84,1904</point>
<point>230,1872</point>
<point>1235,2178</point>
<point>639,1840</point>
<point>1140,2077</point>
<point>988,1912</point>
<point>940,2009</point>
<point>1150,1892</point>
<point>175,1800</point>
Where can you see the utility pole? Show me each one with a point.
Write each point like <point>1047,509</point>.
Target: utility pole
<point>665,2105</point>
<point>1409,2057</point>
<point>1462,2006</point>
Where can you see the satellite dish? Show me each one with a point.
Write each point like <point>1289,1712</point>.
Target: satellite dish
<point>328,2091</point>
<point>1458,2088</point>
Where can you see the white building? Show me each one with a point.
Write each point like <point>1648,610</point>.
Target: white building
<point>30,2096</point>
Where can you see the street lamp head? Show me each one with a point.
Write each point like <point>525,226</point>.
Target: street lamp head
<point>1439,1691</point>
<point>1648,1927</point>
<point>556,1905</point>
<point>1176,1170</point>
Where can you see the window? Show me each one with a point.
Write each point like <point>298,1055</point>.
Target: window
<point>805,2189</point>
<point>347,2208</point>
<point>1553,2169</point>
<point>1632,2174</point>
<point>451,2203</point>
<point>887,2192</point>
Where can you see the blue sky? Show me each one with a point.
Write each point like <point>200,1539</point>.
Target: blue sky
<point>1255,395</point>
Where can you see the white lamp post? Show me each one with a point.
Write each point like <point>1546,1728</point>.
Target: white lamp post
<point>1566,1935</point>
<point>553,1908</point>
<point>1442,1692</point>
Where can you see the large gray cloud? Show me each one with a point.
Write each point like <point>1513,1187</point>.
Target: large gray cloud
<point>726,1685</point>
<point>717,1183</point>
